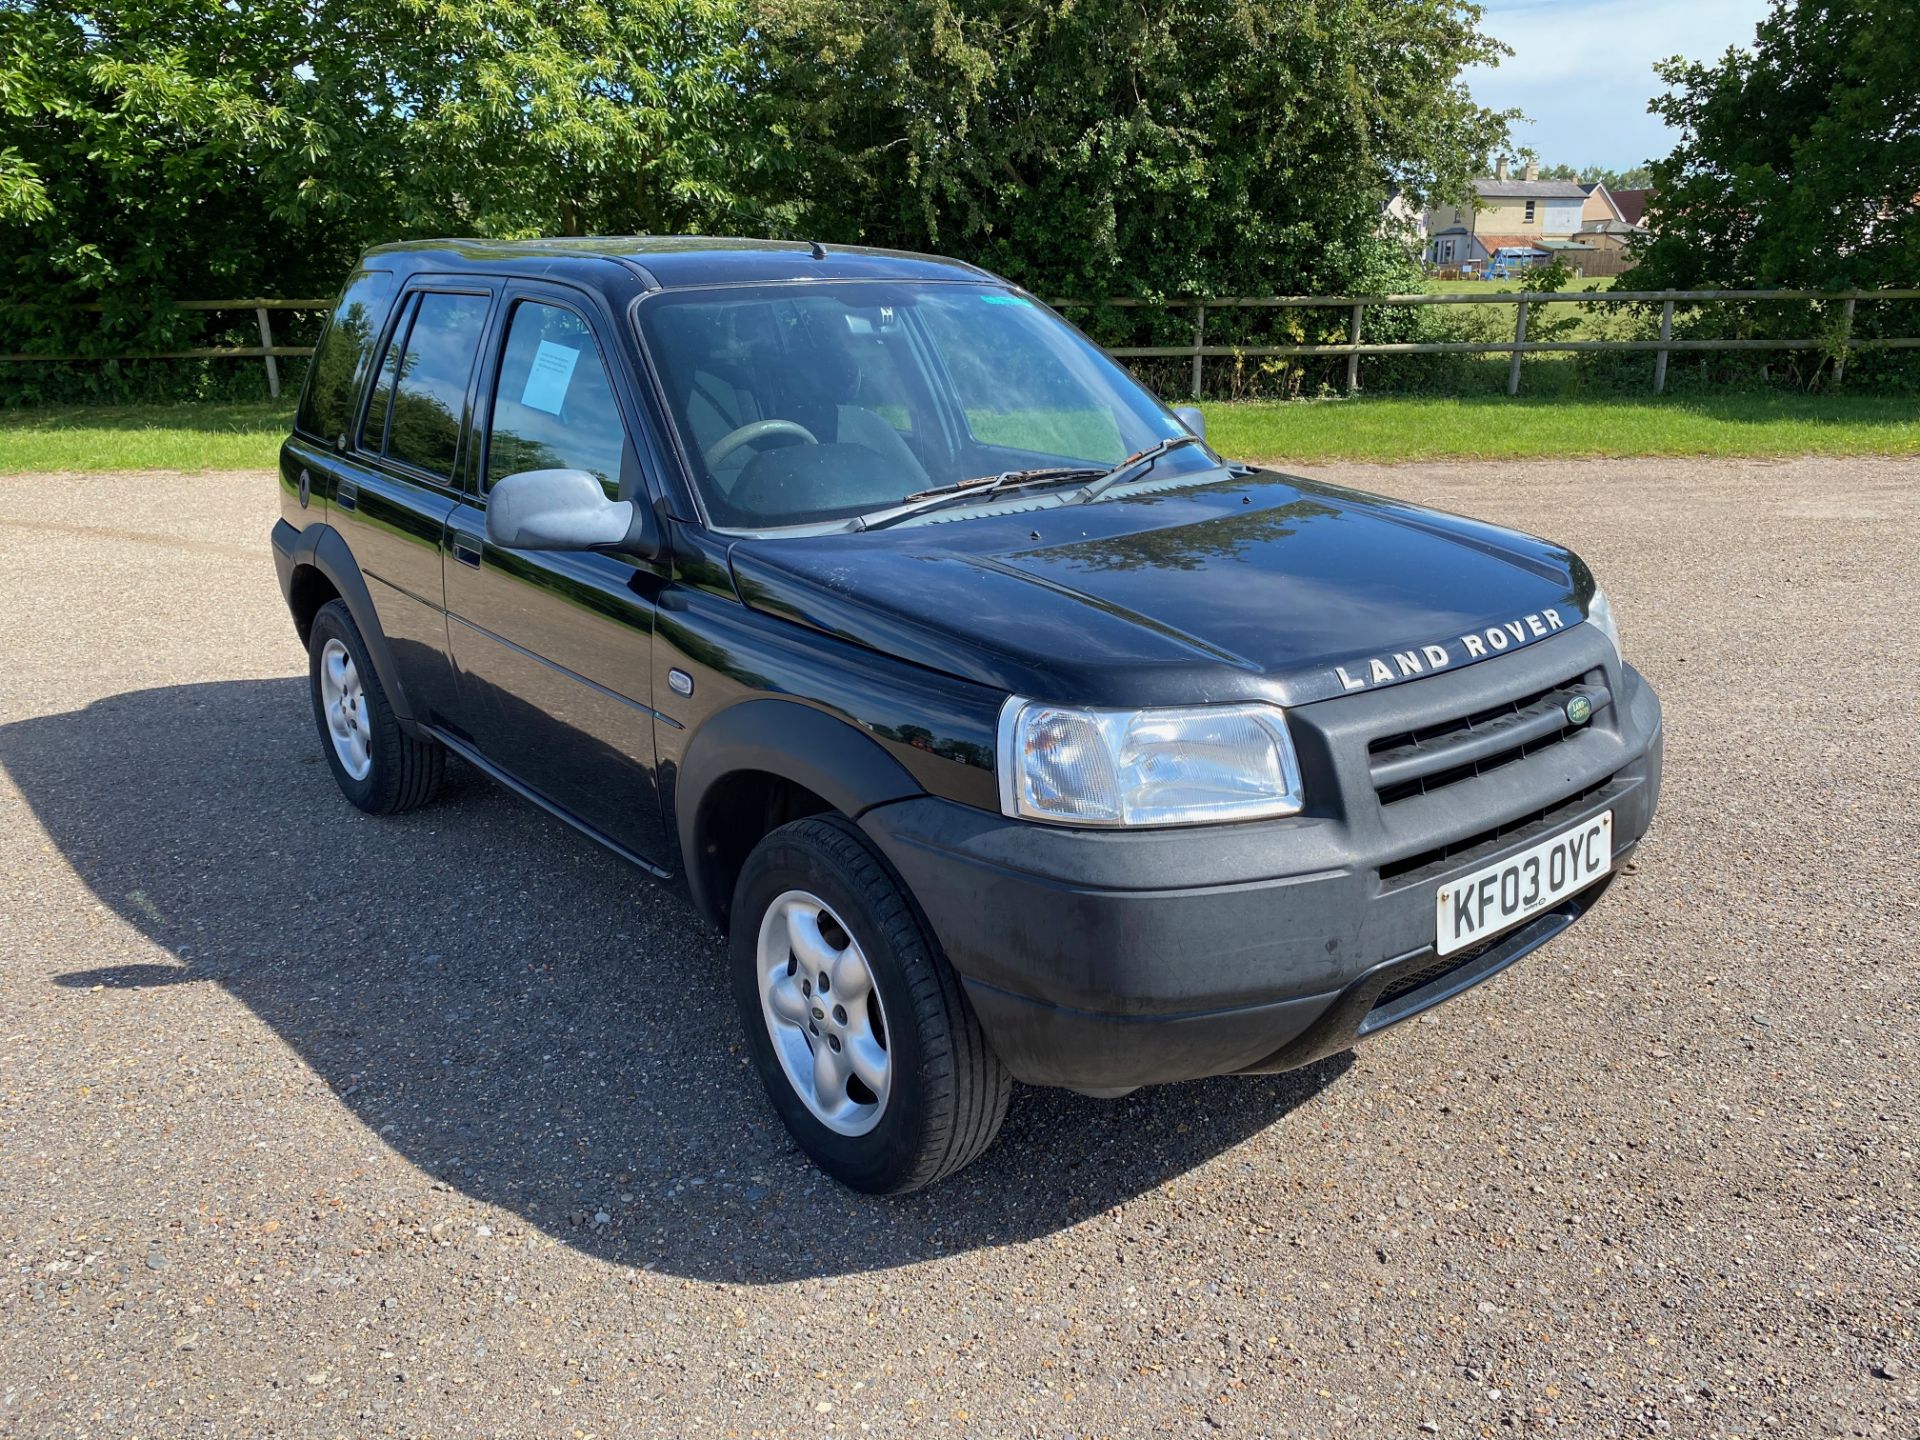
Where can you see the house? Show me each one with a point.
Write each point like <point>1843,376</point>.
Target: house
<point>1606,227</point>
<point>1400,216</point>
<point>1599,207</point>
<point>1541,216</point>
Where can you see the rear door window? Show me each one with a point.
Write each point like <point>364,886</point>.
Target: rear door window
<point>373,435</point>
<point>553,408</point>
<point>430,381</point>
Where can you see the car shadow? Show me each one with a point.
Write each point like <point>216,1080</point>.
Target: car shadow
<point>520,1014</point>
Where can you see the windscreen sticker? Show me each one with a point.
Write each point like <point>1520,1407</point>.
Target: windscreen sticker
<point>547,380</point>
<point>1005,299</point>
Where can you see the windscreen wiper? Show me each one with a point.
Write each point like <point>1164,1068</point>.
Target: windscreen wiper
<point>1131,468</point>
<point>980,487</point>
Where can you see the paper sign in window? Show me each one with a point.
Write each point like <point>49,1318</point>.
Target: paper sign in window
<point>547,380</point>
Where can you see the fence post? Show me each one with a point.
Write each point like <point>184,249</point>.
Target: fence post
<point>1199,339</point>
<point>1660,356</point>
<point>266,343</point>
<point>1353,360</point>
<point>1519,338</point>
<point>1846,334</point>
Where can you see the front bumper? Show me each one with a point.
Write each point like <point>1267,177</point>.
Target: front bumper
<point>1105,960</point>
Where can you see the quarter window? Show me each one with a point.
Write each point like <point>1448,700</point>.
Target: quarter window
<point>554,407</point>
<point>326,408</point>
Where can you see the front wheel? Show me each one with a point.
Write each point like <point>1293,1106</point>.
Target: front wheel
<point>857,1024</point>
<point>379,766</point>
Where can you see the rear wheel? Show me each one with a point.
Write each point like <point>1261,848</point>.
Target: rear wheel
<point>856,1022</point>
<point>379,766</point>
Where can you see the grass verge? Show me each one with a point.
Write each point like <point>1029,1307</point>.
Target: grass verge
<point>201,435</point>
<point>247,435</point>
<point>1403,428</point>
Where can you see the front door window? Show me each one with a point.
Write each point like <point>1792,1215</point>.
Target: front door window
<point>553,408</point>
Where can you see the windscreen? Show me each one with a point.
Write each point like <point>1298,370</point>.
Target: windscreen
<point>798,404</point>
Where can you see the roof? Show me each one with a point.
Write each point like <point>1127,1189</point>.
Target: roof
<point>1511,242</point>
<point>1528,190</point>
<point>670,261</point>
<point>1632,204</point>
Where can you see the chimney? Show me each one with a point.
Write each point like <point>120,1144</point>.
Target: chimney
<point>1500,168</point>
<point>1533,170</point>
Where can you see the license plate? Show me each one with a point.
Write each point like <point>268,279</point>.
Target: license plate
<point>1503,894</point>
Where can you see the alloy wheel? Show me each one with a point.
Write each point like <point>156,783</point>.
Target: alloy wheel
<point>343,701</point>
<point>824,1013</point>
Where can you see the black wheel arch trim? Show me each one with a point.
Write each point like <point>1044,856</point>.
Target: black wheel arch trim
<point>326,550</point>
<point>797,742</point>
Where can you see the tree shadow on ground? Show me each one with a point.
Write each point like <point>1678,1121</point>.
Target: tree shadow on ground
<point>520,1014</point>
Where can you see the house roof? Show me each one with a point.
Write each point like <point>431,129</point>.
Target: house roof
<point>1511,242</point>
<point>1528,190</point>
<point>1632,204</point>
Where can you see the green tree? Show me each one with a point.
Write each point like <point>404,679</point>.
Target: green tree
<point>1636,177</point>
<point>1135,147</point>
<point>154,149</point>
<point>1800,159</point>
<point>173,148</point>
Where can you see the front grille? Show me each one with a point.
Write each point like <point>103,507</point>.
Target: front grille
<point>1446,857</point>
<point>1464,747</point>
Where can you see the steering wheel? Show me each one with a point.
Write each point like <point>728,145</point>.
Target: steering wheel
<point>747,434</point>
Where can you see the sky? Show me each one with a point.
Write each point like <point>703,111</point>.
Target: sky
<point>1582,70</point>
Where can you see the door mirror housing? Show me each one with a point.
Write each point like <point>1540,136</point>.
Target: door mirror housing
<point>566,510</point>
<point>1190,416</point>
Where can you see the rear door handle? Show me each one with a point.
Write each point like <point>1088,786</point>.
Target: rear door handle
<point>347,497</point>
<point>466,549</point>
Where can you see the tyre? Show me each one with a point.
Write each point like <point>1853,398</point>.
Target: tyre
<point>379,766</point>
<point>855,1021</point>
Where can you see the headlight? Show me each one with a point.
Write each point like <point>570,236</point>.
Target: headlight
<point>1600,612</point>
<point>1146,767</point>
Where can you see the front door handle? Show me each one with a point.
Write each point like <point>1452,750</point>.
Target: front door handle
<point>347,497</point>
<point>466,549</point>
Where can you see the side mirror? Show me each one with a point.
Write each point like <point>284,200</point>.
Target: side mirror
<point>565,510</point>
<point>1190,416</point>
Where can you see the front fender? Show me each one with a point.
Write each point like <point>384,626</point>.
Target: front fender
<point>809,747</point>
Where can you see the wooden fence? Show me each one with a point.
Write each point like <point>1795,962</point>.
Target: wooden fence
<point>1199,351</point>
<point>1523,302</point>
<point>266,350</point>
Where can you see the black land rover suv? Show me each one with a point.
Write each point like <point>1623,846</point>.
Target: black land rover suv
<point>1006,730</point>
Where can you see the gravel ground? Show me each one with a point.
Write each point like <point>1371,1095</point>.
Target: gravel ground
<point>317,1125</point>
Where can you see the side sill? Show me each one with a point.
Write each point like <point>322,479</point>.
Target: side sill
<point>559,812</point>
